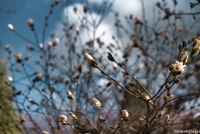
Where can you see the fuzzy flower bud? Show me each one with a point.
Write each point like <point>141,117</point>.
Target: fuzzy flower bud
<point>196,43</point>
<point>69,95</point>
<point>91,60</point>
<point>10,27</point>
<point>183,107</point>
<point>167,118</point>
<point>30,22</point>
<point>74,116</point>
<point>41,46</point>
<point>10,79</point>
<point>56,41</point>
<point>125,114</point>
<point>96,103</point>
<point>77,30</point>
<point>38,77</point>
<point>49,44</point>
<point>31,101</point>
<point>183,56</point>
<point>110,57</point>
<point>101,120</point>
<point>63,119</point>
<point>160,115</point>
<point>45,132</point>
<point>18,57</point>
<point>7,47</point>
<point>195,50</point>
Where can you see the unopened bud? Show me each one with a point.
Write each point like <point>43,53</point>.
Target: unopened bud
<point>53,88</point>
<point>74,116</point>
<point>10,79</point>
<point>38,77</point>
<point>10,27</point>
<point>195,50</point>
<point>69,95</point>
<point>31,101</point>
<point>161,114</point>
<point>196,43</point>
<point>63,120</point>
<point>56,41</point>
<point>166,98</point>
<point>177,80</point>
<point>167,86</point>
<point>7,47</point>
<point>50,44</point>
<point>110,57</point>
<point>41,46</point>
<point>109,83</point>
<point>183,107</point>
<point>101,120</point>
<point>30,22</point>
<point>185,43</point>
<point>96,103</point>
<point>125,114</point>
<point>91,60</point>
<point>77,30</point>
<point>80,67</point>
<point>18,57</point>
<point>167,118</point>
<point>45,132</point>
<point>182,56</point>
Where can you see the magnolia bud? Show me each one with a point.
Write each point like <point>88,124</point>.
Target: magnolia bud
<point>167,86</point>
<point>41,46</point>
<point>125,114</point>
<point>110,57</point>
<point>7,47</point>
<point>10,79</point>
<point>182,56</point>
<point>38,77</point>
<point>31,101</point>
<point>10,27</point>
<point>80,67</point>
<point>109,83</point>
<point>96,103</point>
<point>45,132</point>
<point>196,43</point>
<point>70,95</point>
<point>195,50</point>
<point>56,41</point>
<point>167,118</point>
<point>77,30</point>
<point>101,120</point>
<point>177,80</point>
<point>74,116</point>
<point>18,57</point>
<point>49,44</point>
<point>63,120</point>
<point>30,22</point>
<point>91,60</point>
<point>183,107</point>
<point>161,114</point>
